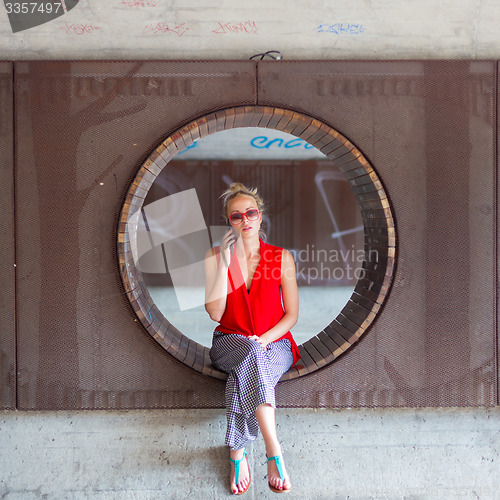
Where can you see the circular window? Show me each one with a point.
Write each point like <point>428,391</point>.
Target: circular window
<point>136,235</point>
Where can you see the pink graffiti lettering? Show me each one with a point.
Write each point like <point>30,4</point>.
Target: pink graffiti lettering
<point>163,27</point>
<point>79,29</point>
<point>246,27</point>
<point>140,3</point>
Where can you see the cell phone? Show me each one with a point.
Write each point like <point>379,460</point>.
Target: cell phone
<point>232,244</point>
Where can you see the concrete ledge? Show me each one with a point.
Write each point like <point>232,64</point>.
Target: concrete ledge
<point>415,453</point>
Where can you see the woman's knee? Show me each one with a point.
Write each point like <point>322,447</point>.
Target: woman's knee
<point>239,349</point>
<point>247,347</point>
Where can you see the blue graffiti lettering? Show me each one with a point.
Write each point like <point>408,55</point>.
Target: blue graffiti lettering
<point>263,142</point>
<point>256,141</point>
<point>341,28</point>
<point>279,142</point>
<point>294,143</point>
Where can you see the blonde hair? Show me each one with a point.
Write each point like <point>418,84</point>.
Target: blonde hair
<point>238,189</point>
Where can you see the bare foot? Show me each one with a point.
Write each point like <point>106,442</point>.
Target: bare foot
<point>243,474</point>
<point>274,478</point>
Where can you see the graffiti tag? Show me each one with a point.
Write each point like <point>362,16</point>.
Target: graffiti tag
<point>79,29</point>
<point>263,142</point>
<point>140,3</point>
<point>164,27</point>
<point>341,29</point>
<point>242,27</point>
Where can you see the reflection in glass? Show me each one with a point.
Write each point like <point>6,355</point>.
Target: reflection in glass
<point>312,212</point>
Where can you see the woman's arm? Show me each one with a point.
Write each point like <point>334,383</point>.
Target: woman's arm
<point>216,278</point>
<point>290,293</point>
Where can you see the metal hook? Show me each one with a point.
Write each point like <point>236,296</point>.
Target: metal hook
<point>271,54</point>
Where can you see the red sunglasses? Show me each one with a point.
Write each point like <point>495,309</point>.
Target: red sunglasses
<point>237,217</point>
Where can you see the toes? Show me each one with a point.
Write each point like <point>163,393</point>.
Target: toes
<point>279,484</point>
<point>243,485</point>
<point>276,482</point>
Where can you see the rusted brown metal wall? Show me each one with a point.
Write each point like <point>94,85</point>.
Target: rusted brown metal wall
<point>84,128</point>
<point>7,293</point>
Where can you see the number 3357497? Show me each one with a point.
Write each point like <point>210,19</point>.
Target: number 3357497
<point>33,7</point>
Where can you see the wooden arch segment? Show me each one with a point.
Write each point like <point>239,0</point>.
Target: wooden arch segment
<point>380,239</point>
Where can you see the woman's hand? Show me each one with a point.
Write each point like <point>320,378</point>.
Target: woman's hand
<point>216,273</point>
<point>260,341</point>
<point>228,240</point>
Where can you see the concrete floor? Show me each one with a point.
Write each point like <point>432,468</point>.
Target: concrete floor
<point>178,454</point>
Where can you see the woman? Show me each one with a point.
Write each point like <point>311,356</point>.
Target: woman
<point>251,291</point>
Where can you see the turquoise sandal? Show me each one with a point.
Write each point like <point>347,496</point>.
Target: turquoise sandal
<point>237,473</point>
<point>279,466</point>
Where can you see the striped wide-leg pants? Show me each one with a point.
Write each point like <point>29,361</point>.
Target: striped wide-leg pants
<point>253,375</point>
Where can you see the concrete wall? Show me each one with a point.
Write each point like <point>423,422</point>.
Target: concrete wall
<point>350,454</point>
<point>203,29</point>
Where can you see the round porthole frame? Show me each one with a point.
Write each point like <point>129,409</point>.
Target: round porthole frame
<point>378,267</point>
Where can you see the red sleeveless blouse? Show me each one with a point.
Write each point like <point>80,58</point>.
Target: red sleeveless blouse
<point>255,311</point>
